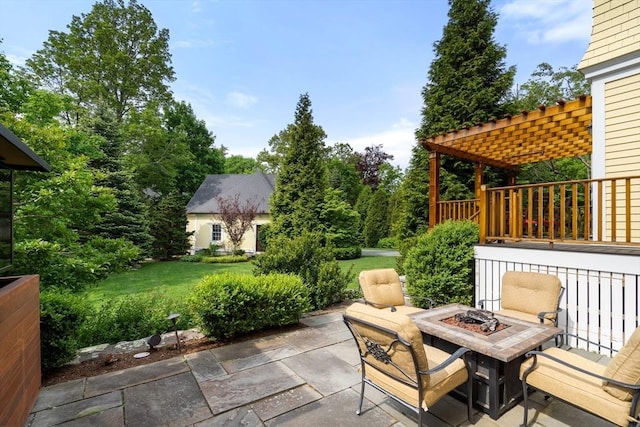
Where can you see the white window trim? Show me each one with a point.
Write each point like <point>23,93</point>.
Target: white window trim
<point>221,233</point>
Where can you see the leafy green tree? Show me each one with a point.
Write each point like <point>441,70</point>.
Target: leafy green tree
<point>240,165</point>
<point>168,226</point>
<point>545,87</point>
<point>298,200</point>
<point>14,87</point>
<point>468,81</point>
<point>129,218</point>
<point>414,214</point>
<point>182,125</point>
<point>376,225</point>
<point>115,55</point>
<point>342,174</point>
<point>271,159</point>
<point>155,155</point>
<point>341,221</point>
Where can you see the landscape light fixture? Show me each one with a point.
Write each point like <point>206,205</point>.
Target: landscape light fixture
<point>173,317</point>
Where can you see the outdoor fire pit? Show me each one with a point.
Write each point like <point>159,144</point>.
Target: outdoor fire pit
<point>479,321</point>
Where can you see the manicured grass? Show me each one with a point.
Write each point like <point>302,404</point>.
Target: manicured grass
<point>175,279</point>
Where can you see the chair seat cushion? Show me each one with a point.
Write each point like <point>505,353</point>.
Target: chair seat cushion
<point>581,390</point>
<point>407,309</point>
<point>440,383</point>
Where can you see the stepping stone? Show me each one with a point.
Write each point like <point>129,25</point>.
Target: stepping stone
<point>241,417</point>
<point>172,401</point>
<point>284,402</point>
<point>59,394</point>
<point>204,366</point>
<point>250,385</point>
<point>315,366</point>
<point>77,410</point>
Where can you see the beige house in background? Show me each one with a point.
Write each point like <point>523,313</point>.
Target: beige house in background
<point>612,66</point>
<point>203,211</point>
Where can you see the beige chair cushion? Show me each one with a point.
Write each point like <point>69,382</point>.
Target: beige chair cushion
<point>624,367</point>
<point>530,293</point>
<point>435,386</point>
<point>581,390</point>
<point>382,286</point>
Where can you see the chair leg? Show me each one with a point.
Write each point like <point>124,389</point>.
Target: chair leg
<point>359,411</point>
<point>525,402</point>
<point>469,398</point>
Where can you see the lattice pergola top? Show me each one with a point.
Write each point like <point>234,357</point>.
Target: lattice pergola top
<point>558,131</point>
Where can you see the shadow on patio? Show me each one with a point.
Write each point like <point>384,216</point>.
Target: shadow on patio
<point>308,377</point>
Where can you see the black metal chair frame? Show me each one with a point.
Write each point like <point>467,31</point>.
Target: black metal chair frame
<point>381,354</point>
<point>561,338</point>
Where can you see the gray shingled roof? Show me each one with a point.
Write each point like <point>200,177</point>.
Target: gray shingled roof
<point>257,186</point>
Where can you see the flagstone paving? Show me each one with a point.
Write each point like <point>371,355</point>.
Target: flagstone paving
<point>307,377</point>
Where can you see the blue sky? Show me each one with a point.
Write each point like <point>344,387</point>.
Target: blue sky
<point>242,65</point>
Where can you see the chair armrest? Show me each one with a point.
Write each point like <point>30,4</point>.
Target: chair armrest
<point>459,352</point>
<point>482,301</point>
<point>536,353</point>
<point>542,314</point>
<point>379,304</point>
<point>563,335</point>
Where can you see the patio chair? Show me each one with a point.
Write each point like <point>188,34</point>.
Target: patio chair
<point>395,361</point>
<point>611,392</point>
<point>529,296</point>
<point>381,288</point>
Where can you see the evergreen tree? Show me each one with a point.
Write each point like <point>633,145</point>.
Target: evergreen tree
<point>128,219</point>
<point>468,81</point>
<point>376,225</point>
<point>298,200</point>
<point>169,222</point>
<point>415,189</point>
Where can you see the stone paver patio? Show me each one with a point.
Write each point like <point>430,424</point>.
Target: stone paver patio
<point>308,377</point>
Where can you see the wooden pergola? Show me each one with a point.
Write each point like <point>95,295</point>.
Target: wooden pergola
<point>554,132</point>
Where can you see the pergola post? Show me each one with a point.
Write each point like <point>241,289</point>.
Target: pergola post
<point>478,169</point>
<point>434,188</point>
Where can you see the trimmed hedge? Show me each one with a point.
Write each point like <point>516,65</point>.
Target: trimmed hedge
<point>351,252</point>
<point>440,265</point>
<point>229,304</point>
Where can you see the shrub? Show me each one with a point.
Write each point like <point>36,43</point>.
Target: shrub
<point>61,317</point>
<point>192,258</point>
<point>132,317</point>
<point>332,284</point>
<point>389,243</point>
<point>212,250</point>
<point>229,304</point>
<point>440,265</point>
<point>113,255</point>
<point>403,248</point>
<point>224,259</point>
<point>57,266</point>
<point>303,256</point>
<point>351,252</point>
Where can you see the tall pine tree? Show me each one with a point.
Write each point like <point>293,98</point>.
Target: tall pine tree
<point>468,83</point>
<point>129,219</point>
<point>298,200</point>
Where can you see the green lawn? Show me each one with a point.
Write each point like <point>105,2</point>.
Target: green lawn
<point>176,279</point>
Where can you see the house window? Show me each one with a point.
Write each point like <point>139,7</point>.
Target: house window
<point>216,233</point>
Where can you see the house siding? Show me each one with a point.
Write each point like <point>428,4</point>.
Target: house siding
<point>622,148</point>
<point>615,32</point>
<point>201,224</point>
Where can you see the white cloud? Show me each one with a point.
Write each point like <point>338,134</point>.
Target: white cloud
<point>241,100</point>
<point>398,141</point>
<point>15,59</point>
<point>195,43</point>
<point>548,21</point>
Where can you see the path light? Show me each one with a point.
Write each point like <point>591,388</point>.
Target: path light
<point>173,317</point>
<point>154,340</point>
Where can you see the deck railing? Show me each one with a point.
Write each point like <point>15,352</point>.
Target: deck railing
<point>585,211</point>
<point>458,210</point>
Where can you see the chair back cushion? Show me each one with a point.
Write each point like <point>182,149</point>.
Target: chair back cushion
<point>382,286</point>
<point>403,366</point>
<point>530,292</point>
<point>624,367</point>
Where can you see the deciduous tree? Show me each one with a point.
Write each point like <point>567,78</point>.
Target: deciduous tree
<point>236,216</point>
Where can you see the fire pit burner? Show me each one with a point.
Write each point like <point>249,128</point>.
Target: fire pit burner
<point>479,321</point>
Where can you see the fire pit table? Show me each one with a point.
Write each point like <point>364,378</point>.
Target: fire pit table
<point>497,354</point>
